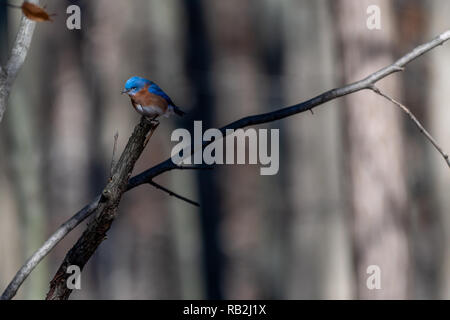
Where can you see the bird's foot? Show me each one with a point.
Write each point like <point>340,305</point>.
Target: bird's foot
<point>153,121</point>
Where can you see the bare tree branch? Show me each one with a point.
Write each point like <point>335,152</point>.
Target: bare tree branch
<point>171,193</point>
<point>365,83</point>
<point>416,122</point>
<point>105,213</point>
<point>18,55</point>
<point>167,165</point>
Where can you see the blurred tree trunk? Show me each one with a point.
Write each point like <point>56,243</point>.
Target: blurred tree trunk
<point>413,17</point>
<point>68,124</point>
<point>168,67</point>
<point>318,251</point>
<point>24,142</point>
<point>438,111</point>
<point>238,93</point>
<point>375,162</point>
<point>10,230</point>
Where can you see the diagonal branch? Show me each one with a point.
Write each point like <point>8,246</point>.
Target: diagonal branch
<point>365,83</point>
<point>18,55</point>
<point>171,193</point>
<point>167,165</point>
<point>415,121</point>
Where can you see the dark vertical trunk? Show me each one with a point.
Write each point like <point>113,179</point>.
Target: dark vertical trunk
<point>276,216</point>
<point>198,63</point>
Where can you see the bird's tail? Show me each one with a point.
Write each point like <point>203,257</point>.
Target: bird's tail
<point>178,111</point>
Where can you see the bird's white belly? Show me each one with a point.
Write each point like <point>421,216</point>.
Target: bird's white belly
<point>149,111</point>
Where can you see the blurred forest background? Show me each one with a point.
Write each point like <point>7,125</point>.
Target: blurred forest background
<point>358,184</point>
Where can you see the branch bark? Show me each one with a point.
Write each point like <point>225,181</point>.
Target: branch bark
<point>18,55</point>
<point>167,165</point>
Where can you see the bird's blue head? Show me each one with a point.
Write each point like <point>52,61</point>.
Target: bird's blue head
<point>134,85</point>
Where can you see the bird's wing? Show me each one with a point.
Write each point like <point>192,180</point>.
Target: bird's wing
<point>155,89</point>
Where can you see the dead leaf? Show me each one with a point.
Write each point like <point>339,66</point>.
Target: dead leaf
<point>35,13</point>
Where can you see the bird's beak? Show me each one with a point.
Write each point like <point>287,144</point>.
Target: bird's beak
<point>124,91</point>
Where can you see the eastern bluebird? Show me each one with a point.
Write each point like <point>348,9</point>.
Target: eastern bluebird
<point>149,100</point>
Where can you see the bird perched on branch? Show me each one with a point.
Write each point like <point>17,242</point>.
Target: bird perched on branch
<point>149,100</point>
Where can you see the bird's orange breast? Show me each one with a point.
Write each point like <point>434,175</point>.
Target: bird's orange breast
<point>148,99</point>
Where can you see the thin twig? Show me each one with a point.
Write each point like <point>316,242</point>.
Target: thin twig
<point>113,162</point>
<point>168,165</point>
<point>415,121</point>
<point>171,193</point>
